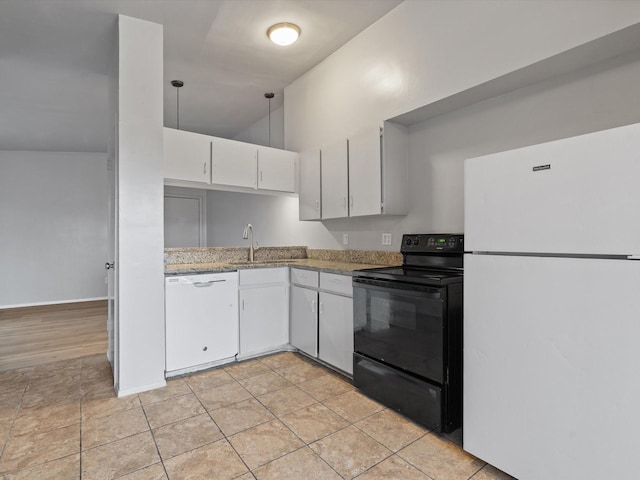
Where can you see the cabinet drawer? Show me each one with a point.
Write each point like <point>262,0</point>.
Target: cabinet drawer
<point>305,278</point>
<point>260,276</point>
<point>341,284</point>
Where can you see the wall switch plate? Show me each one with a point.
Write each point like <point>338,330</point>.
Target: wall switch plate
<point>386,239</point>
<point>345,239</point>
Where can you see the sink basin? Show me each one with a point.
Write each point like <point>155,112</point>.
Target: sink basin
<point>263,262</point>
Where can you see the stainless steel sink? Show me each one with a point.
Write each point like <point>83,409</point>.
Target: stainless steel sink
<point>263,262</point>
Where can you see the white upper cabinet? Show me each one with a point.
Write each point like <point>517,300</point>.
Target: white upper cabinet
<point>276,169</point>
<point>234,163</point>
<point>193,157</point>
<point>365,173</point>
<point>309,184</point>
<point>335,174</point>
<point>378,171</point>
<point>186,156</point>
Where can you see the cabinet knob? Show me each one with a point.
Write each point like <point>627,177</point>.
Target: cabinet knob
<point>204,349</point>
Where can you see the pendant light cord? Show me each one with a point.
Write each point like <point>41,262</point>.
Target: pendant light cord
<point>178,107</point>
<point>178,84</point>
<point>269,122</point>
<point>269,96</point>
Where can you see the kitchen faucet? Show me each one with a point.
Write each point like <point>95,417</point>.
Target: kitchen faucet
<point>248,233</point>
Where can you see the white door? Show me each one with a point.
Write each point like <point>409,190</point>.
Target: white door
<point>335,331</point>
<point>264,319</point>
<point>335,186</point>
<point>304,320</point>
<point>551,357</point>
<point>182,222</point>
<point>576,195</point>
<point>276,169</point>
<point>234,163</point>
<point>365,173</point>
<point>309,184</point>
<point>186,155</point>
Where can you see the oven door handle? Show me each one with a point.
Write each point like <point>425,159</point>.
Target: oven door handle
<point>398,288</point>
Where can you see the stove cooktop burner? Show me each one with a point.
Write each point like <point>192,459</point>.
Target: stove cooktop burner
<point>412,275</point>
<point>428,259</point>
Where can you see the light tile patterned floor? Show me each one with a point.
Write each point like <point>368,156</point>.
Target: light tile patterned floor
<point>279,417</point>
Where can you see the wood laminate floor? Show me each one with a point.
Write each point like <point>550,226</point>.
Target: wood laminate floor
<point>35,335</point>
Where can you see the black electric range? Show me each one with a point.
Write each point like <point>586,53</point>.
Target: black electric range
<point>408,331</point>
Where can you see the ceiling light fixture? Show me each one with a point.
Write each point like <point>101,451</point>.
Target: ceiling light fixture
<point>284,33</point>
<point>178,84</point>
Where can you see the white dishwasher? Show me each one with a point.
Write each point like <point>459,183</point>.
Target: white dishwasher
<point>201,320</point>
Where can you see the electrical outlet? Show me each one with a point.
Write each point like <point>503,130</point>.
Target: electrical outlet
<point>345,239</point>
<point>386,239</point>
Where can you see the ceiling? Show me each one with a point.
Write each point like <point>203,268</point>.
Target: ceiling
<point>54,58</point>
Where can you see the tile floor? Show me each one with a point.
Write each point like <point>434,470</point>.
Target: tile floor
<point>279,417</point>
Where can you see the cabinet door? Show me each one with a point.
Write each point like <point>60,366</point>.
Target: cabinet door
<point>304,320</point>
<point>276,169</point>
<point>264,319</point>
<point>201,322</point>
<point>335,331</point>
<point>234,163</point>
<point>365,173</point>
<point>335,180</point>
<point>186,156</point>
<point>309,184</point>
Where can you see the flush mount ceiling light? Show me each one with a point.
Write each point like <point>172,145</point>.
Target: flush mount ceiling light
<point>283,33</point>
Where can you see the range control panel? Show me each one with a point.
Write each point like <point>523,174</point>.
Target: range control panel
<point>433,242</point>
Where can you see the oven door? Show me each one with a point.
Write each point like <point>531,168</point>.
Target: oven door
<point>401,325</point>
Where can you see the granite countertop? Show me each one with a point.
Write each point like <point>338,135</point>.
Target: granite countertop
<point>329,266</point>
<point>189,261</point>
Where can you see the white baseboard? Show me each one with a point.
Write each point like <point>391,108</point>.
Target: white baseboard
<point>56,302</point>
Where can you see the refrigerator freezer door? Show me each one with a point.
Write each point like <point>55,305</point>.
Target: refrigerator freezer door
<point>551,383</point>
<point>578,195</point>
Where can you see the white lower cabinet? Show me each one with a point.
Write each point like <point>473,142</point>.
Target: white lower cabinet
<point>303,327</point>
<point>335,331</point>
<point>321,322</point>
<point>264,311</point>
<point>201,320</point>
<point>304,320</point>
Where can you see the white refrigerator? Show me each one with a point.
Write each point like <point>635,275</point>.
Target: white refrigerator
<point>552,308</point>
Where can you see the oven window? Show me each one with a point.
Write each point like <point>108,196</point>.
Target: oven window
<point>402,329</point>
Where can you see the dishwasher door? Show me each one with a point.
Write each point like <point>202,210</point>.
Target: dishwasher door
<point>201,319</point>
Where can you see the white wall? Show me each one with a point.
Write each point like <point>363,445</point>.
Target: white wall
<point>258,132</point>
<point>53,212</point>
<point>426,50</point>
<point>274,219</point>
<point>596,98</point>
<point>418,62</point>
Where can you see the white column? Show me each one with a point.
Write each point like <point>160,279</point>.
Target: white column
<point>139,268</point>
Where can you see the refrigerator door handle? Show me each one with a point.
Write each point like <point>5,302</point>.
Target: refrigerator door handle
<point>633,257</point>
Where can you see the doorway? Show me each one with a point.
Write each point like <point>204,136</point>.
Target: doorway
<point>184,218</point>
